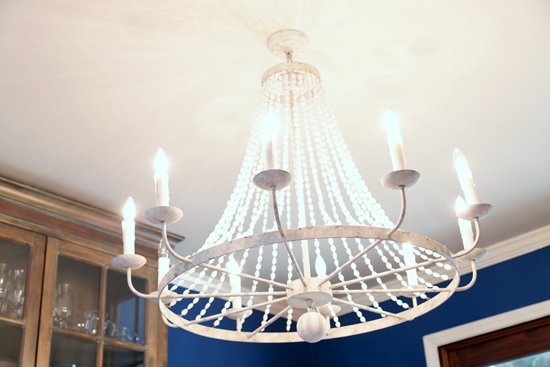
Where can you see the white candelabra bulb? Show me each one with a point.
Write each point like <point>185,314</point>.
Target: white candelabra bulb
<point>390,123</point>
<point>460,205</point>
<point>129,211</point>
<point>320,267</point>
<point>233,266</point>
<point>161,161</point>
<point>270,127</point>
<point>460,162</point>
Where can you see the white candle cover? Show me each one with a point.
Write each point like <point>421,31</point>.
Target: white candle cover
<point>270,126</point>
<point>235,282</point>
<point>465,177</point>
<point>161,178</point>
<point>129,226</point>
<point>464,225</point>
<point>395,140</point>
<point>164,266</point>
<point>410,260</point>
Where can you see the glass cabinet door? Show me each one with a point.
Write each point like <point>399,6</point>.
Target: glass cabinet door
<point>21,269</point>
<point>89,316</point>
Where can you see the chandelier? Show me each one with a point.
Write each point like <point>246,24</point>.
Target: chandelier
<point>302,241</point>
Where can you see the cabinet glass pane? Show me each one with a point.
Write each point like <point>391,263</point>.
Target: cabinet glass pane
<point>114,357</point>
<point>14,260</point>
<point>10,341</point>
<point>77,296</point>
<point>124,312</point>
<point>72,352</point>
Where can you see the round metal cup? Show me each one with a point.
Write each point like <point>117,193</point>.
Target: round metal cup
<point>128,261</point>
<point>405,177</point>
<point>474,211</point>
<point>277,178</point>
<point>166,214</point>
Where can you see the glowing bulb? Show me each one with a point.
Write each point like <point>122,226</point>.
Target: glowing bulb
<point>161,161</point>
<point>320,267</point>
<point>390,123</point>
<point>233,266</point>
<point>460,162</point>
<point>395,140</point>
<point>129,211</point>
<point>460,205</point>
<point>161,178</point>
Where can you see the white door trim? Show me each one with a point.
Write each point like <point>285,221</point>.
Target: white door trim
<point>483,326</point>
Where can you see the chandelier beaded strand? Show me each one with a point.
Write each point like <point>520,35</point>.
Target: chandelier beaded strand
<point>302,241</point>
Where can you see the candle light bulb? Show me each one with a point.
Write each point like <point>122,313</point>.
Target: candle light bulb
<point>460,205</point>
<point>390,123</point>
<point>460,162</point>
<point>129,211</point>
<point>161,161</point>
<point>320,267</point>
<point>161,178</point>
<point>395,140</point>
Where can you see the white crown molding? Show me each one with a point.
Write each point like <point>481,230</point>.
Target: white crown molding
<point>433,341</point>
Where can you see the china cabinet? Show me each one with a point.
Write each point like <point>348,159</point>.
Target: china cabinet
<point>62,303</point>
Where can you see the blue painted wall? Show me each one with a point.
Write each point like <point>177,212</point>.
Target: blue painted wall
<point>499,288</point>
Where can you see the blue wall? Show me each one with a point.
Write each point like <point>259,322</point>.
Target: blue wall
<point>499,288</point>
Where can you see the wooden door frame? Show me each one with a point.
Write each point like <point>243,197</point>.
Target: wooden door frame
<point>432,342</point>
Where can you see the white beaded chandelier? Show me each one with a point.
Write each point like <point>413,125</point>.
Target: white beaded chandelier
<point>302,238</point>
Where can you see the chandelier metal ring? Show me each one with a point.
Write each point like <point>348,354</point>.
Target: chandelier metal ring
<point>311,233</point>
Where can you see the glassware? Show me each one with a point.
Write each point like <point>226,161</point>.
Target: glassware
<point>63,303</point>
<point>16,292</point>
<point>92,319</point>
<point>4,272</point>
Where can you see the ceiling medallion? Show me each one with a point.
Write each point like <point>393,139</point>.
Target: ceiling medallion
<point>302,239</point>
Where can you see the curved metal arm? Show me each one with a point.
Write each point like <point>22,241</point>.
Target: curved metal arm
<point>403,211</point>
<point>476,241</point>
<point>281,232</point>
<point>374,244</point>
<point>472,281</point>
<point>134,290</point>
<point>169,248</point>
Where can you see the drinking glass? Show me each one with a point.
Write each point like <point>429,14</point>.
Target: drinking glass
<point>16,292</point>
<point>4,272</point>
<point>63,301</point>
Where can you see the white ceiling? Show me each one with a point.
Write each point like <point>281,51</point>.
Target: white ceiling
<point>90,89</point>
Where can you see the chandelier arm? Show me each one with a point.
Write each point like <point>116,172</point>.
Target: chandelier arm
<point>169,248</point>
<point>135,291</point>
<point>389,272</point>
<point>281,232</point>
<point>472,281</point>
<point>377,242</point>
<point>403,290</point>
<point>168,323</point>
<point>212,267</point>
<point>271,320</point>
<point>233,311</point>
<point>476,241</point>
<point>403,211</point>
<point>366,308</point>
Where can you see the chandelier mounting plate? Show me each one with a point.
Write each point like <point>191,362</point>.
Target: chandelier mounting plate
<point>287,40</point>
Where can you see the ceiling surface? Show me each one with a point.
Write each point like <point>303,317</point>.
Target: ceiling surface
<point>90,89</point>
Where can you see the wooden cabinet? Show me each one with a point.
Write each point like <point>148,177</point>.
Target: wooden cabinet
<point>62,303</point>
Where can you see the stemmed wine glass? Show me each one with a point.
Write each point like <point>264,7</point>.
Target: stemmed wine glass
<point>16,292</point>
<point>63,300</point>
<point>4,272</point>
